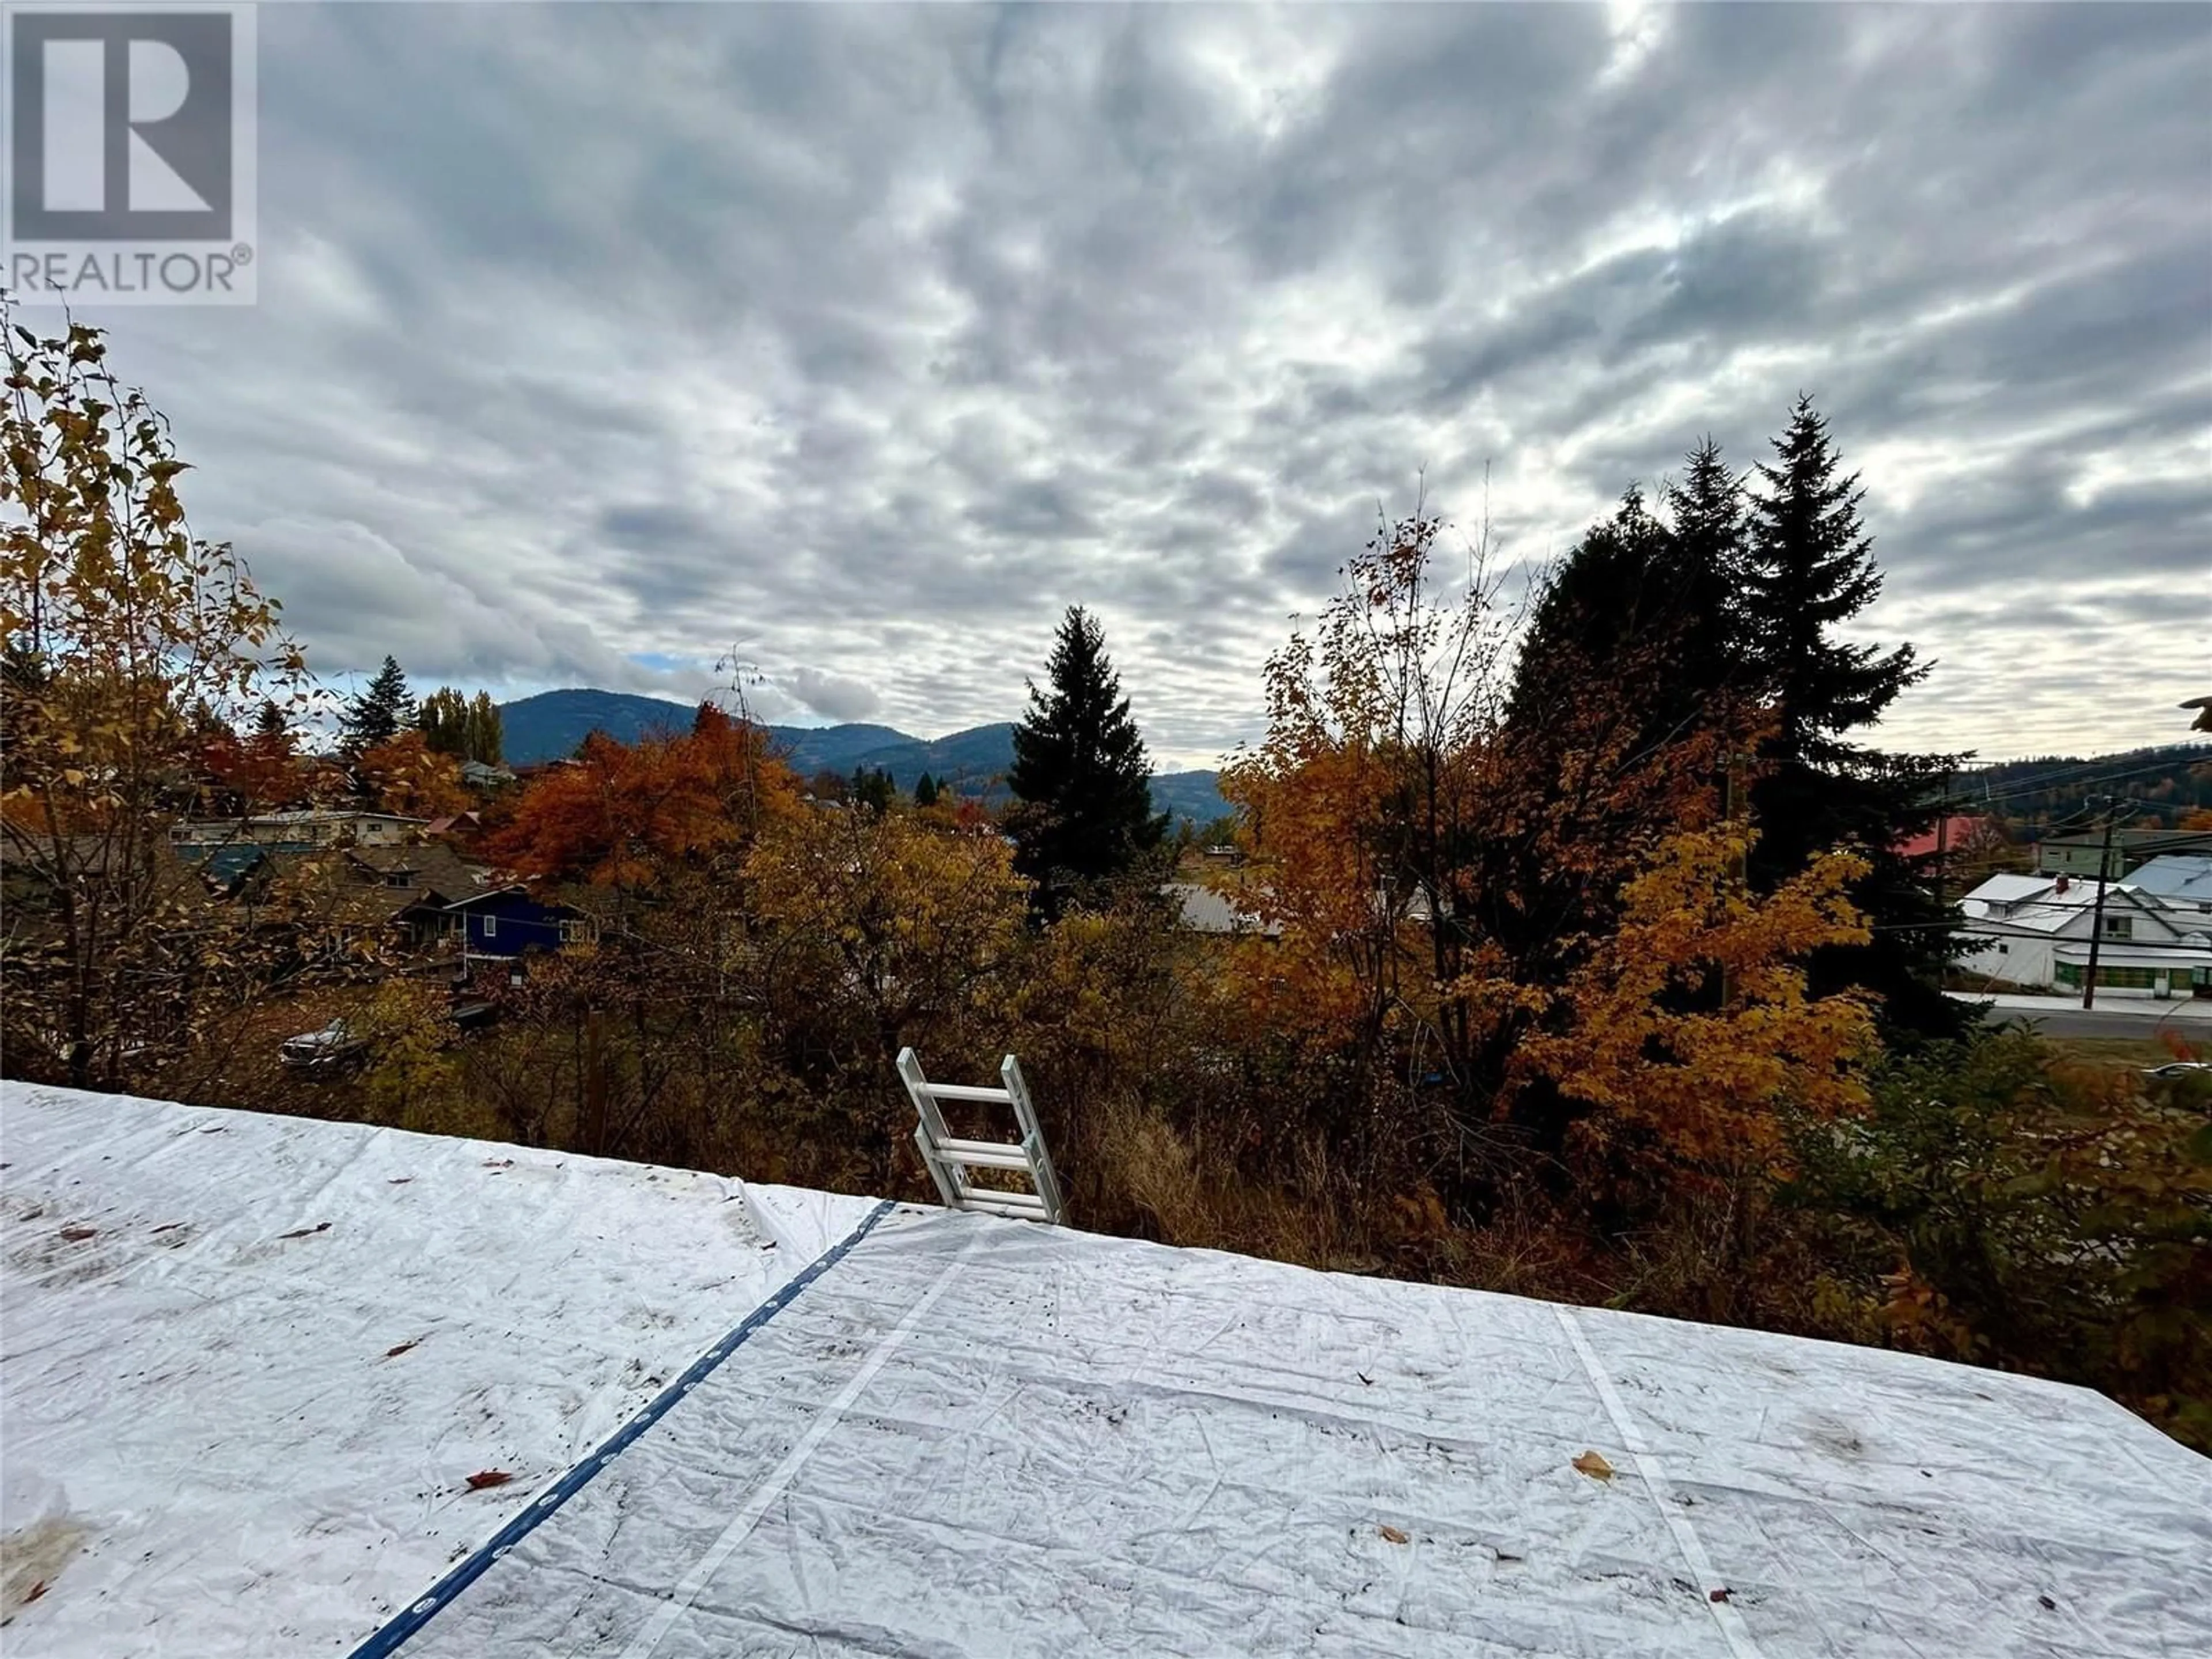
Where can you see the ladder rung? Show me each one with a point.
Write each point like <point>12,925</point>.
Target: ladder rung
<point>966,1091</point>
<point>983,1154</point>
<point>1023,1206</point>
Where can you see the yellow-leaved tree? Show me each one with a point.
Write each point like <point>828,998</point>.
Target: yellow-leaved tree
<point>1688,1033</point>
<point>873,930</point>
<point>129,641</point>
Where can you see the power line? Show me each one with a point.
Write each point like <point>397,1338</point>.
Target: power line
<point>2053,939</point>
<point>2182,754</point>
<point>2046,788</point>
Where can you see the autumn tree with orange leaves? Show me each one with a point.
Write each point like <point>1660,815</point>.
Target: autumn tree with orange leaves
<point>629,817</point>
<point>1683,1080</point>
<point>257,773</point>
<point>1512,916</point>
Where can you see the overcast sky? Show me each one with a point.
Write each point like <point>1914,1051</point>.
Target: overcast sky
<point>591,340</point>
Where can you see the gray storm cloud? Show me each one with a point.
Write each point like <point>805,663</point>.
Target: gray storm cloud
<point>876,337</point>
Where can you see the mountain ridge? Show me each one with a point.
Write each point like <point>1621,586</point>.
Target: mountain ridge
<point>549,725</point>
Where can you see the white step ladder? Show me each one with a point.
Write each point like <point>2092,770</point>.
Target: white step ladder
<point>950,1158</point>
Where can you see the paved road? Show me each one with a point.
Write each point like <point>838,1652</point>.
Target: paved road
<point>2097,1023</point>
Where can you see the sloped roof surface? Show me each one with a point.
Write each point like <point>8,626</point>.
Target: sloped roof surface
<point>434,865</point>
<point>2037,904</point>
<point>2186,877</point>
<point>969,1436</point>
<point>2008,889</point>
<point>204,1419</point>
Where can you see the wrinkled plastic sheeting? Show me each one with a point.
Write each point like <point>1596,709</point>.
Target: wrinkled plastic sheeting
<point>801,1223</point>
<point>250,1362</point>
<point>982,1438</point>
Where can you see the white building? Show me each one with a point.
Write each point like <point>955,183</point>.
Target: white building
<point>2036,931</point>
<point>310,827</point>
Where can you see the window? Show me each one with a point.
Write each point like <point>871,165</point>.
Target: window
<point>571,932</point>
<point>2111,978</point>
<point>491,926</point>
<point>2119,927</point>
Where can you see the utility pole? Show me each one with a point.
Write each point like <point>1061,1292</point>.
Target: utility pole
<point>1942,839</point>
<point>2097,910</point>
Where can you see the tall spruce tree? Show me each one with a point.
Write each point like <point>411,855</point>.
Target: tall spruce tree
<point>1080,773</point>
<point>269,722</point>
<point>925,791</point>
<point>1646,600</point>
<point>1611,591</point>
<point>1810,570</point>
<point>381,713</point>
<point>1706,511</point>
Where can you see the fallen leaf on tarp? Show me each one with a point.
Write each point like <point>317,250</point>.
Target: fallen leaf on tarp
<point>399,1181</point>
<point>1592,1465</point>
<point>308,1232</point>
<point>35,1591</point>
<point>394,1353</point>
<point>78,1235</point>
<point>1717,1595</point>
<point>1391,1535</point>
<point>484,1477</point>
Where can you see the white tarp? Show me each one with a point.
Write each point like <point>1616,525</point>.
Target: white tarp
<point>984,1437</point>
<point>976,1437</point>
<point>208,1448</point>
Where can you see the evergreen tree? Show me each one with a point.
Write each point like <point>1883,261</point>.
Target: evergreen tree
<point>381,712</point>
<point>1649,599</point>
<point>925,791</point>
<point>1080,772</point>
<point>443,718</point>
<point>1810,570</point>
<point>873,790</point>
<point>1610,593</point>
<point>487,736</point>
<point>1706,512</point>
<point>269,722</point>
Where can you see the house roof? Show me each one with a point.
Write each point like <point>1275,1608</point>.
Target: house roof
<point>2011,889</point>
<point>257,1410</point>
<point>496,890</point>
<point>434,866</point>
<point>2183,876</point>
<point>2053,904</point>
<point>253,1362</point>
<point>1955,834</point>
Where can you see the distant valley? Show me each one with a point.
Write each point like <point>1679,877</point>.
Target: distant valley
<point>551,724</point>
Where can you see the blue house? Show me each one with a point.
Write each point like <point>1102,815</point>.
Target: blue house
<point>507,922</point>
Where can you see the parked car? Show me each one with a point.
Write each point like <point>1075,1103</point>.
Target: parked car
<point>2178,1068</point>
<point>334,1045</point>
